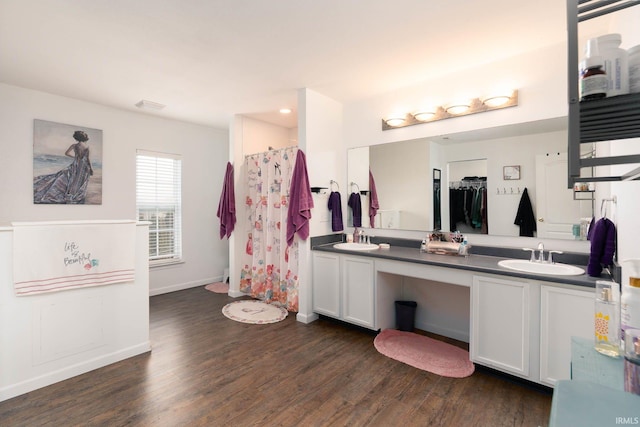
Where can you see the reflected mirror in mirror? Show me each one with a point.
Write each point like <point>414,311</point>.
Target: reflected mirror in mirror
<point>403,176</point>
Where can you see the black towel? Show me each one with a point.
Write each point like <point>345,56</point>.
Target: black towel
<point>525,218</point>
<point>356,209</point>
<point>335,206</point>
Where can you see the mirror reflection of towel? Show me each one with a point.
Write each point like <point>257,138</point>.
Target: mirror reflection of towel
<point>525,218</point>
<point>373,201</point>
<point>356,209</point>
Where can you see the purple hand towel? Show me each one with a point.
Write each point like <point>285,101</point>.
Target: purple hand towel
<point>227,205</point>
<point>300,201</point>
<point>356,209</point>
<point>603,246</point>
<point>373,201</point>
<point>335,206</point>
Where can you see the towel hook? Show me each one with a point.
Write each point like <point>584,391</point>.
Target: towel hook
<point>353,183</point>
<point>603,206</point>
<point>334,182</point>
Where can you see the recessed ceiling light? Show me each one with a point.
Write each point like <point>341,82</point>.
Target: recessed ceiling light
<point>150,105</point>
<point>285,110</point>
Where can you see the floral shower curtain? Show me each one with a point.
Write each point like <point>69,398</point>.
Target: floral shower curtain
<point>270,267</point>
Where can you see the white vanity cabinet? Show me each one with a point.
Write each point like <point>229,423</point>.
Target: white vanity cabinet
<point>344,288</point>
<point>502,317</point>
<point>524,327</point>
<point>564,312</point>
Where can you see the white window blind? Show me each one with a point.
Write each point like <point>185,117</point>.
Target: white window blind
<point>159,201</point>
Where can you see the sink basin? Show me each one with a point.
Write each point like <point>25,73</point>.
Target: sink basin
<point>350,246</point>
<point>556,269</point>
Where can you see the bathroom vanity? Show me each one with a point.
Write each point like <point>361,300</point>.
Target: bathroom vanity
<point>521,323</point>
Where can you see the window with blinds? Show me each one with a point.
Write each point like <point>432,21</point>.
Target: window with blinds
<point>159,201</point>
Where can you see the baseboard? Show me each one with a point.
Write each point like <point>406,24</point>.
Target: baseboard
<point>307,318</point>
<point>236,294</point>
<point>182,286</point>
<point>65,373</point>
<point>446,332</point>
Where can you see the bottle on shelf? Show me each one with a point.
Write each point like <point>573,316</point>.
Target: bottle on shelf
<point>593,81</point>
<point>630,298</point>
<point>616,64</point>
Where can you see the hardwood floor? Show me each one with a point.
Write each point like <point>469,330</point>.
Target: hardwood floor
<point>207,370</point>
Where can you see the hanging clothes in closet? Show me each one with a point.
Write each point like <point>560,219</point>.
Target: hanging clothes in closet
<point>468,205</point>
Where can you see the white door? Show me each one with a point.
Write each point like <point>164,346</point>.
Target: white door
<point>555,208</point>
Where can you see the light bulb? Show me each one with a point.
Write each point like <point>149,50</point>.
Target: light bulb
<point>425,115</point>
<point>496,100</point>
<point>395,121</point>
<point>458,108</point>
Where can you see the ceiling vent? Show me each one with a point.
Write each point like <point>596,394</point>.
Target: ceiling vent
<point>150,105</point>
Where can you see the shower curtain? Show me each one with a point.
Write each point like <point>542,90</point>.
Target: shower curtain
<point>270,267</point>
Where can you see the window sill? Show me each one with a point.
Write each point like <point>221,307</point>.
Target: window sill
<point>165,264</point>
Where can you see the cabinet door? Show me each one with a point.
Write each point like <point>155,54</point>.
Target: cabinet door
<point>358,290</point>
<point>326,284</point>
<point>563,313</point>
<point>500,324</point>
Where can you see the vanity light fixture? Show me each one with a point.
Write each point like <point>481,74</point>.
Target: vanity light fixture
<point>395,121</point>
<point>285,111</point>
<point>454,109</point>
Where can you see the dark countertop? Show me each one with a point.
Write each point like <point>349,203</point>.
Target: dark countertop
<point>479,262</point>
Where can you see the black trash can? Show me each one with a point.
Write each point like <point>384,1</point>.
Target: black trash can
<point>405,315</point>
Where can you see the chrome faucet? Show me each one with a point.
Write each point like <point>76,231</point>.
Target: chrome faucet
<point>540,252</point>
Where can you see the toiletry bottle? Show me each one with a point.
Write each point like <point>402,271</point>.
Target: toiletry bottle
<point>423,245</point>
<point>616,64</point>
<point>607,318</point>
<point>632,361</point>
<point>593,82</point>
<point>630,298</point>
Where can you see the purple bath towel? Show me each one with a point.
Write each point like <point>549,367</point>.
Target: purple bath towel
<point>300,201</point>
<point>603,246</point>
<point>335,206</point>
<point>373,201</point>
<point>227,204</point>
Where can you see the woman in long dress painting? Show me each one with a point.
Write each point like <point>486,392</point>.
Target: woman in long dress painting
<point>69,185</point>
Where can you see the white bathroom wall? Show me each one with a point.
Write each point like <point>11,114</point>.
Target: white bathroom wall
<point>541,83</point>
<point>320,137</point>
<point>258,136</point>
<point>204,153</point>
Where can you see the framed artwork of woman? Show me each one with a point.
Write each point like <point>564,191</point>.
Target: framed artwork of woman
<point>67,164</point>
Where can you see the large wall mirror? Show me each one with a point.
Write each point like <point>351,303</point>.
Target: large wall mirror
<point>502,162</point>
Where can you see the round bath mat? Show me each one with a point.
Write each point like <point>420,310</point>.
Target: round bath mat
<point>252,311</point>
<point>218,287</point>
<point>424,353</point>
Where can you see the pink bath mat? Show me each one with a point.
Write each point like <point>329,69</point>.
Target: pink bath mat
<point>424,353</point>
<point>218,287</point>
